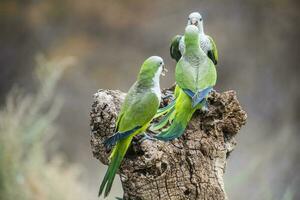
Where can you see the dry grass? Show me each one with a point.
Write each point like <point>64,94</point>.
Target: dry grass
<point>26,125</point>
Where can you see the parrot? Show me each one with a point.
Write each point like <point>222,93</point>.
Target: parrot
<point>195,76</point>
<point>139,107</point>
<point>206,42</point>
<point>177,47</point>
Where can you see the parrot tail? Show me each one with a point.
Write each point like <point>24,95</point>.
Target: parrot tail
<point>164,110</point>
<point>164,120</point>
<point>116,158</point>
<point>170,106</point>
<point>183,113</point>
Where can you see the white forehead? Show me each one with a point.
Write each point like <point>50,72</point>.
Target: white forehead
<point>195,15</point>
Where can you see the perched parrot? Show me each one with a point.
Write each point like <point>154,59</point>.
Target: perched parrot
<point>195,77</point>
<point>176,50</point>
<point>206,43</point>
<point>138,109</point>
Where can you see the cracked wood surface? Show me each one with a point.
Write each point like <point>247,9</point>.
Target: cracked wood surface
<point>190,167</point>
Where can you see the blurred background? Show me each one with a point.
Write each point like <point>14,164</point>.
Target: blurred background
<point>54,54</point>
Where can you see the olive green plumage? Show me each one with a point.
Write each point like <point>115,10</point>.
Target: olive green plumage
<point>140,106</point>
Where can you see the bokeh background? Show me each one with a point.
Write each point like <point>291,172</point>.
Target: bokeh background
<point>104,43</point>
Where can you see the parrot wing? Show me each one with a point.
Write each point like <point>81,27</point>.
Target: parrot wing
<point>174,48</point>
<point>137,111</point>
<point>213,53</point>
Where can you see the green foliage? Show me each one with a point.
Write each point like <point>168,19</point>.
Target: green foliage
<point>26,125</point>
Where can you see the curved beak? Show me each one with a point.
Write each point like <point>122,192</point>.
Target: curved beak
<point>164,71</point>
<point>194,21</point>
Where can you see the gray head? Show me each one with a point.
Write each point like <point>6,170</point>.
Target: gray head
<point>195,19</point>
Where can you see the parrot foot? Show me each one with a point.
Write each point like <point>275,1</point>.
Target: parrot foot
<point>204,108</point>
<point>167,96</point>
<point>147,137</point>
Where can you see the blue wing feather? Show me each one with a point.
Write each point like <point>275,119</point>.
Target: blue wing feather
<point>112,140</point>
<point>200,95</point>
<point>189,92</point>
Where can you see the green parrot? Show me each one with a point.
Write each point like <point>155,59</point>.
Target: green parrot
<point>177,48</point>
<point>206,43</point>
<point>140,106</point>
<point>195,77</point>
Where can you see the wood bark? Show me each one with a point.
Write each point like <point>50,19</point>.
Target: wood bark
<point>190,167</point>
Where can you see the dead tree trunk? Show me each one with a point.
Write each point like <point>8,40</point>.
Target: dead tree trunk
<point>190,167</point>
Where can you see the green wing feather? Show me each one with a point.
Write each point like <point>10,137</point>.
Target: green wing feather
<point>163,122</point>
<point>174,48</point>
<point>118,121</point>
<point>139,111</point>
<point>213,54</point>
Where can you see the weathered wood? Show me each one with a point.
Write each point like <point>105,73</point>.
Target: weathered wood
<point>190,167</point>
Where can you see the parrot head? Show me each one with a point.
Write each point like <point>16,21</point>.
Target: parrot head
<point>196,19</point>
<point>191,35</point>
<point>152,67</point>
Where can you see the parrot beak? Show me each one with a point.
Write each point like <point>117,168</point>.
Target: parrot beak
<point>164,71</point>
<point>194,21</point>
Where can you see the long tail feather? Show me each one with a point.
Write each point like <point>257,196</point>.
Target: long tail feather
<point>183,113</point>
<point>174,131</point>
<point>165,109</point>
<point>116,158</point>
<point>163,122</point>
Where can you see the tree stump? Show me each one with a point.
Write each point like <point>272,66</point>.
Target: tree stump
<point>190,167</point>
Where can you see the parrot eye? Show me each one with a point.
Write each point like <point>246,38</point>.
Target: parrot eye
<point>200,19</point>
<point>189,18</point>
<point>160,63</point>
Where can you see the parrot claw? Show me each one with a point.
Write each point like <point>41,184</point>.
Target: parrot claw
<point>205,109</point>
